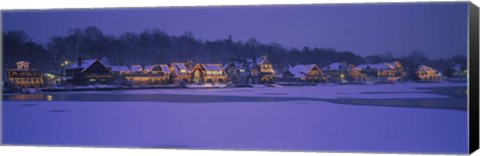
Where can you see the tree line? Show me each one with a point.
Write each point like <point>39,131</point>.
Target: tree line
<point>154,46</point>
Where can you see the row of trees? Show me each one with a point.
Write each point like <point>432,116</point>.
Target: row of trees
<point>156,46</point>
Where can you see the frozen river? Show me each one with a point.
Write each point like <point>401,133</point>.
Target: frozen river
<point>409,118</point>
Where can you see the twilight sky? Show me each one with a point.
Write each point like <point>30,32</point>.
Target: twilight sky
<point>439,29</point>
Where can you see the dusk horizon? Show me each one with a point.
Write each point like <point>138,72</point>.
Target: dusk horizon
<point>396,29</point>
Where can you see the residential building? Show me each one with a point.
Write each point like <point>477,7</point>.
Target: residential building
<point>426,73</point>
<point>87,72</point>
<point>390,72</point>
<point>343,72</point>
<point>260,70</point>
<point>208,73</point>
<point>148,75</point>
<point>302,73</point>
<point>237,71</point>
<point>181,71</point>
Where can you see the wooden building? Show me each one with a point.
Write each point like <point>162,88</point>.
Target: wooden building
<point>237,71</point>
<point>149,75</point>
<point>24,77</point>
<point>88,72</point>
<point>208,73</point>
<point>260,70</point>
<point>391,72</point>
<point>142,75</point>
<point>181,71</point>
<point>302,73</point>
<point>426,73</point>
<point>343,72</point>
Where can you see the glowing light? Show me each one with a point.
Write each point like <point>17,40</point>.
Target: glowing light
<point>49,97</point>
<point>342,75</point>
<point>66,62</point>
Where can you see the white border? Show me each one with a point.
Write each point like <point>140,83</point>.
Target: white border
<point>63,4</point>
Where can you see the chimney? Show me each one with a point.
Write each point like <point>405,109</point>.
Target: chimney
<point>238,58</point>
<point>254,60</point>
<point>143,67</point>
<point>79,62</point>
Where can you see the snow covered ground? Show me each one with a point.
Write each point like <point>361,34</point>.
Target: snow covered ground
<point>404,90</point>
<point>289,125</point>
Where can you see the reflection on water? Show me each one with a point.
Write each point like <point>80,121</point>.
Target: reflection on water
<point>24,97</point>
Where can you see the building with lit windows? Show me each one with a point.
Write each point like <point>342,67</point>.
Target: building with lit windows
<point>88,72</point>
<point>208,73</point>
<point>25,77</point>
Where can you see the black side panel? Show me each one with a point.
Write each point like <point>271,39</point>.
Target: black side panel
<point>473,81</point>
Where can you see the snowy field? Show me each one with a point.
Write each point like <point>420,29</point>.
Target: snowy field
<point>261,118</point>
<point>330,91</point>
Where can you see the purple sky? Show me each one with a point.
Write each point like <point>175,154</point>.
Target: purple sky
<point>439,29</point>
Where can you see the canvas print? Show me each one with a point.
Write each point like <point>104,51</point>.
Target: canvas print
<point>377,78</point>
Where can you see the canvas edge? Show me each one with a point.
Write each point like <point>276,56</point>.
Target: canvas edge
<point>473,63</point>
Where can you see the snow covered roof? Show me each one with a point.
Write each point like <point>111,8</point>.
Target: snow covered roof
<point>426,68</point>
<point>391,65</point>
<point>165,68</point>
<point>259,60</point>
<point>158,67</point>
<point>212,67</point>
<point>301,70</point>
<point>180,68</point>
<point>136,68</point>
<point>150,67</point>
<point>85,64</point>
<point>120,68</point>
<point>336,66</point>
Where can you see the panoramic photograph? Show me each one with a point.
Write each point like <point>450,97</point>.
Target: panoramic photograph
<point>377,78</point>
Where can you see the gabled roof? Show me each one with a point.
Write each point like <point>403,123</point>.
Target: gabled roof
<point>165,68</point>
<point>300,70</point>
<point>259,60</point>
<point>426,68</point>
<point>212,67</point>
<point>336,66</point>
<point>178,67</point>
<point>150,67</point>
<point>391,65</point>
<point>86,64</point>
<point>136,68</point>
<point>158,67</point>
